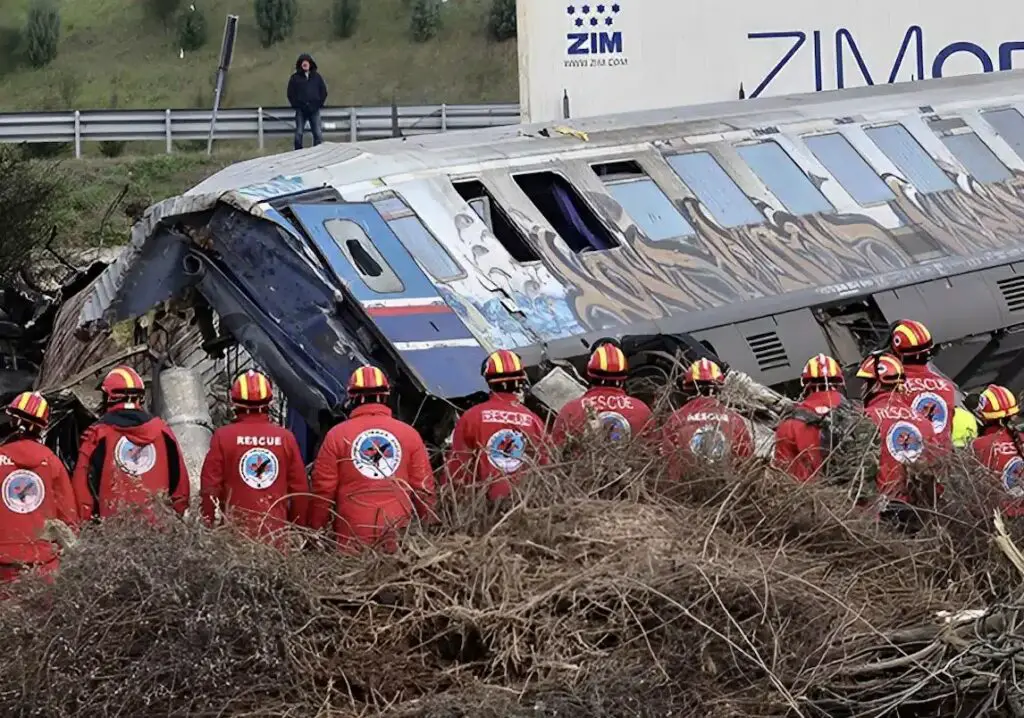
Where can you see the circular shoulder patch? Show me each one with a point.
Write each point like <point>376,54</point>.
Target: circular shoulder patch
<point>905,442</point>
<point>709,442</point>
<point>259,468</point>
<point>133,459</point>
<point>614,426</point>
<point>376,454</point>
<point>1013,472</point>
<point>23,491</point>
<point>933,408</point>
<point>505,450</point>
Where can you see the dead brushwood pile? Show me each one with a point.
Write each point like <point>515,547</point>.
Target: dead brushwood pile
<point>600,589</point>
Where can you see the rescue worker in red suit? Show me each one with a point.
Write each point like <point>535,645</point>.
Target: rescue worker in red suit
<point>254,468</point>
<point>605,405</point>
<point>494,440</point>
<point>906,436</point>
<point>930,394</point>
<point>704,429</point>
<point>999,446</point>
<point>798,442</point>
<point>127,457</point>
<point>372,469</point>
<point>35,487</point>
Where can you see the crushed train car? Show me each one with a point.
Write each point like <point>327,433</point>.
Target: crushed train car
<point>761,231</point>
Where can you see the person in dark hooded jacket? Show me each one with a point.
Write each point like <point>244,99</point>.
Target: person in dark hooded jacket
<point>307,93</point>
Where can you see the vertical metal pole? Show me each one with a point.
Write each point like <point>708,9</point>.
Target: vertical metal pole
<point>168,138</point>
<point>259,126</point>
<point>78,134</point>
<point>444,117</point>
<point>353,121</point>
<point>565,104</point>
<point>227,47</point>
<point>213,115</point>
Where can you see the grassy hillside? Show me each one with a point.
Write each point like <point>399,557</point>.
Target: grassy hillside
<point>109,45</point>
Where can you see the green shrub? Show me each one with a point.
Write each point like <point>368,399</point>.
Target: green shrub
<point>162,10</point>
<point>191,29</point>
<point>30,193</point>
<point>42,32</point>
<point>345,16</point>
<point>502,20</point>
<point>275,19</point>
<point>425,20</point>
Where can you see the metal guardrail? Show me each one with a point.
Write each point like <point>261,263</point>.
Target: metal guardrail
<point>351,123</point>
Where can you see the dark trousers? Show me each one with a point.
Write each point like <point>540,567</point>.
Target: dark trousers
<point>301,118</point>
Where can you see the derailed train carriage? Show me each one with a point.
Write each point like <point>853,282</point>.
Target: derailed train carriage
<point>761,231</point>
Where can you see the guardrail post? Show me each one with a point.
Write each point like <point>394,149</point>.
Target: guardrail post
<point>259,126</point>
<point>78,135</point>
<point>444,117</point>
<point>352,123</point>
<point>168,137</point>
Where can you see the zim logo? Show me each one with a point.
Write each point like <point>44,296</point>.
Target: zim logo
<point>933,408</point>
<point>590,32</point>
<point>614,426</point>
<point>1013,472</point>
<point>259,468</point>
<point>904,442</point>
<point>505,450</point>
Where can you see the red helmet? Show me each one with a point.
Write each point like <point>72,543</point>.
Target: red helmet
<point>822,369</point>
<point>368,380</point>
<point>704,372</point>
<point>885,369</point>
<point>997,402</point>
<point>911,337</point>
<point>30,407</point>
<point>608,362</point>
<point>251,390</point>
<point>122,383</point>
<point>503,365</point>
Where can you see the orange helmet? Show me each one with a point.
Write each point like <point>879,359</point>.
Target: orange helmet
<point>997,402</point>
<point>704,372</point>
<point>607,362</point>
<point>885,369</point>
<point>368,380</point>
<point>821,369</point>
<point>251,390</point>
<point>910,337</point>
<point>503,365</point>
<point>31,408</point>
<point>122,383</point>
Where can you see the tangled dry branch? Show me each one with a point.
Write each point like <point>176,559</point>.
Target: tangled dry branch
<point>600,589</point>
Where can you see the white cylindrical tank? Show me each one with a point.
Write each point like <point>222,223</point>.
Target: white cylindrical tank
<point>181,402</point>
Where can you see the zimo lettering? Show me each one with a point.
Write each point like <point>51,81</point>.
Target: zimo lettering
<point>258,441</point>
<point>846,47</point>
<point>509,418</point>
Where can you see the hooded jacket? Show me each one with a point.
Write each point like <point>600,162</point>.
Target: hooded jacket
<point>493,441</point>
<point>798,443</point>
<point>127,457</point>
<point>35,487</point>
<point>307,93</point>
<point>618,413</point>
<point>252,469</point>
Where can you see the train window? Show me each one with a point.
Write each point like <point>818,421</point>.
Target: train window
<point>981,162</point>
<point>481,201</point>
<point>850,170</point>
<point>1008,124</point>
<point>566,211</point>
<point>907,154</point>
<point>373,269</point>
<point>715,189</point>
<point>643,200</point>
<point>416,237</point>
<point>784,178</point>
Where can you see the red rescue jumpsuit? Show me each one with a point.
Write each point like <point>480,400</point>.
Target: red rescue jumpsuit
<point>35,487</point>
<point>619,414</point>
<point>374,470</point>
<point>906,438</point>
<point>493,441</point>
<point>798,449</point>
<point>252,468</point>
<point>996,449</point>
<point>931,395</point>
<point>704,428</point>
<point>126,458</point>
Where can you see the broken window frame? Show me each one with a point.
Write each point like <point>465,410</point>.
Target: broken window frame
<point>492,205</point>
<point>408,212</point>
<point>785,189</point>
<point>375,283</point>
<point>640,178</point>
<point>578,202</point>
<point>751,215</point>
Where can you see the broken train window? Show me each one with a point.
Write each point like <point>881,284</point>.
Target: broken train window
<point>566,211</point>
<point>643,200</point>
<point>491,213</point>
<point>419,240</point>
<point>373,269</point>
